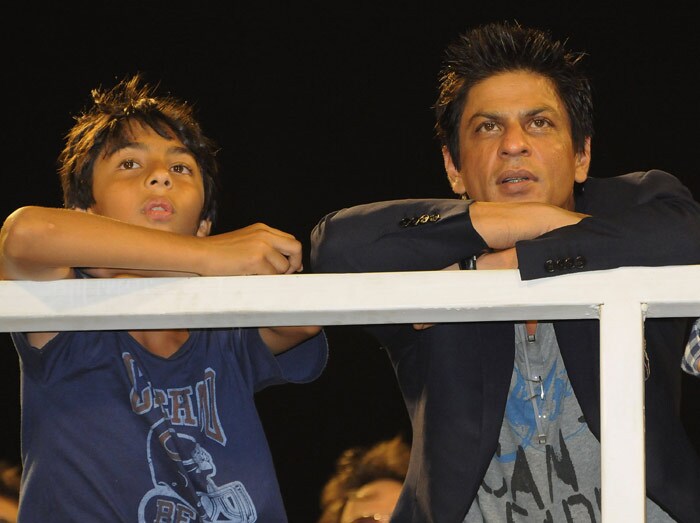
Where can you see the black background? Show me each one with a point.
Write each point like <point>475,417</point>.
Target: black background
<point>318,106</point>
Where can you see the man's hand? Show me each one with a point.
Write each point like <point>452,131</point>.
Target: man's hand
<point>421,326</point>
<point>505,259</point>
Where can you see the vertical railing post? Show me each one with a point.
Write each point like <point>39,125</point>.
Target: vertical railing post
<point>623,483</point>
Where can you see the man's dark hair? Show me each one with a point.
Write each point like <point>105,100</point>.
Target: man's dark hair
<point>105,126</point>
<point>504,47</point>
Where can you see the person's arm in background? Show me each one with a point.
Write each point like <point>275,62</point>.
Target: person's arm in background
<point>691,357</point>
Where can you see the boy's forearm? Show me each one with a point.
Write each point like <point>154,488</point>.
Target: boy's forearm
<point>280,339</point>
<point>45,243</point>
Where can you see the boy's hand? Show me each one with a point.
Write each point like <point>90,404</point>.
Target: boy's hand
<point>255,249</point>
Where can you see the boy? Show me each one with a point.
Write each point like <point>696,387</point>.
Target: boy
<point>147,425</point>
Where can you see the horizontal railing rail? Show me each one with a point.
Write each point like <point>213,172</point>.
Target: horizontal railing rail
<point>620,299</point>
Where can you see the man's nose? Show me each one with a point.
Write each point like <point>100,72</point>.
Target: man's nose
<point>514,142</point>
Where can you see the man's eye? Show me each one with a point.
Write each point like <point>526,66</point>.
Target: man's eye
<point>129,164</point>
<point>181,169</point>
<point>540,122</point>
<point>487,127</point>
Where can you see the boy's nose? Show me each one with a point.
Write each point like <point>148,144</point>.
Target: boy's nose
<point>159,177</point>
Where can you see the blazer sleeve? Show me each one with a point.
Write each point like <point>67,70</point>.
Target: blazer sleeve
<point>400,235</point>
<point>638,219</point>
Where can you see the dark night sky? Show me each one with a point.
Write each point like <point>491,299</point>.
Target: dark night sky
<point>318,106</point>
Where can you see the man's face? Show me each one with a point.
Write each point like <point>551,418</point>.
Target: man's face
<point>515,143</point>
<point>151,181</point>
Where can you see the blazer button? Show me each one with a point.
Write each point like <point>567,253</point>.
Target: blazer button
<point>579,262</point>
<point>568,263</point>
<point>549,266</point>
<point>560,264</point>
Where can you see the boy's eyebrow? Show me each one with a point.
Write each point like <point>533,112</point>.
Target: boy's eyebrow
<point>175,149</point>
<point>178,149</point>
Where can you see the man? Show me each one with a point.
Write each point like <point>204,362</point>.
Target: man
<point>506,416</point>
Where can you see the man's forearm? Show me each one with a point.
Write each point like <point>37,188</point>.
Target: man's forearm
<point>501,225</point>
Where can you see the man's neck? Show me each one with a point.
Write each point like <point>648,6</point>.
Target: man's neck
<point>531,327</point>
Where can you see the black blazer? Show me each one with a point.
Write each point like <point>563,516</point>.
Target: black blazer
<point>455,377</point>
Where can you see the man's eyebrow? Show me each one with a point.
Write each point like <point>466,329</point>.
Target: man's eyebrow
<point>497,115</point>
<point>539,110</point>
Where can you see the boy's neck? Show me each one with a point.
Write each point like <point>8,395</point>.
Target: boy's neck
<point>163,343</point>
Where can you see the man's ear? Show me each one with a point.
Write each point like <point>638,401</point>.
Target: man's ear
<point>583,162</point>
<point>453,175</point>
<point>204,228</point>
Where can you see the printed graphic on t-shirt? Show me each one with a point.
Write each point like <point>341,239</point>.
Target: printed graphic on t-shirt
<point>183,472</point>
<point>543,478</point>
<point>546,471</point>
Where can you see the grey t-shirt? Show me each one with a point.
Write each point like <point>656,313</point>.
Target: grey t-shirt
<point>547,465</point>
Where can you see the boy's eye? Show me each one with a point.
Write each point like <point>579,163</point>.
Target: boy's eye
<point>128,164</point>
<point>181,169</point>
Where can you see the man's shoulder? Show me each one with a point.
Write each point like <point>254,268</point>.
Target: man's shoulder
<point>632,178</point>
<point>633,183</point>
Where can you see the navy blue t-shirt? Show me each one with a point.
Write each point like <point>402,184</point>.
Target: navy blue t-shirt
<point>111,432</point>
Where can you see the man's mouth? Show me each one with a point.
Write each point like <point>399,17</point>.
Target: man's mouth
<point>515,179</point>
<point>516,176</point>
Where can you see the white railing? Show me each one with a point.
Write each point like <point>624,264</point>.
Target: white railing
<point>621,299</point>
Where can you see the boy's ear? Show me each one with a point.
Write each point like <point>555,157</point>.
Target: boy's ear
<point>204,228</point>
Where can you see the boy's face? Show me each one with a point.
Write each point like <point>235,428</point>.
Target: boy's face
<point>151,181</point>
<point>515,143</point>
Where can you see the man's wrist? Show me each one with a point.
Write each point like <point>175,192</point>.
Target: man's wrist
<point>468,264</point>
